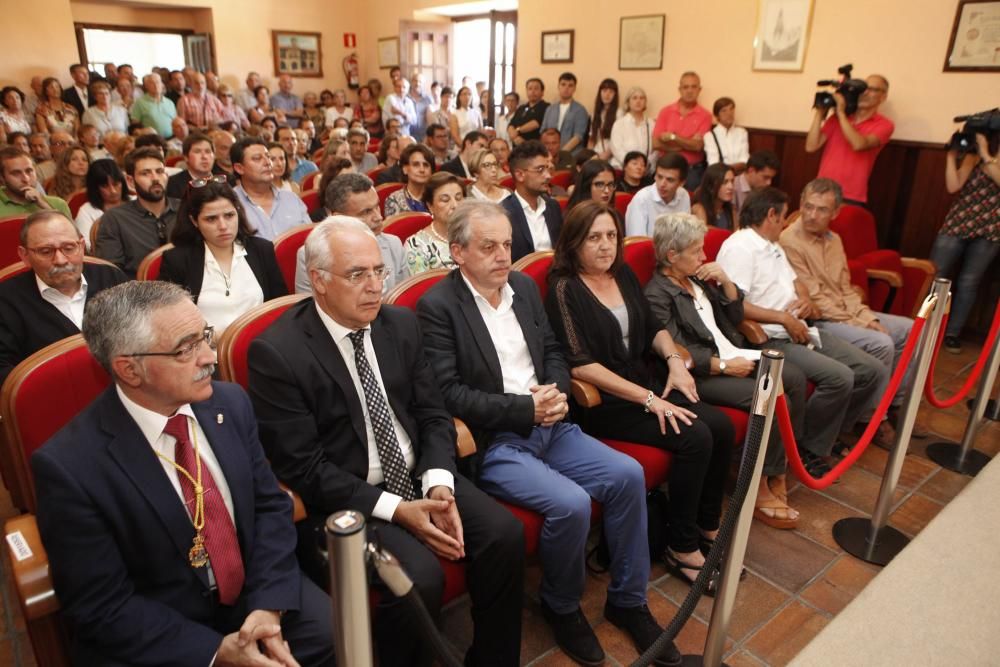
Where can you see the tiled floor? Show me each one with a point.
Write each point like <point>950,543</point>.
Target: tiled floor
<point>798,580</point>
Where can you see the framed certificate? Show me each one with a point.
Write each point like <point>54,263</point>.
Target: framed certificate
<point>975,38</point>
<point>557,46</point>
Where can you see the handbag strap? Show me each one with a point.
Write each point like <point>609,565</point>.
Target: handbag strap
<point>722,158</point>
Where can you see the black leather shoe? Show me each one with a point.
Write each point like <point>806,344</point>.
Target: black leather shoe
<point>640,625</point>
<point>575,636</point>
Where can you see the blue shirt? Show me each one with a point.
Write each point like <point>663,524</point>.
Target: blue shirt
<point>303,169</point>
<point>575,123</point>
<point>287,102</point>
<point>287,212</point>
<point>418,130</point>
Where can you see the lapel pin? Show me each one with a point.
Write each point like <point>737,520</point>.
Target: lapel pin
<point>219,418</point>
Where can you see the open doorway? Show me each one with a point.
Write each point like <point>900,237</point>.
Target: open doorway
<point>484,52</point>
<point>143,48</point>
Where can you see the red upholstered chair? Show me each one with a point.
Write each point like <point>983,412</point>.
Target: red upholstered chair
<point>10,238</point>
<point>563,202</point>
<point>384,191</point>
<point>507,182</point>
<point>622,200</point>
<point>406,224</point>
<point>311,181</point>
<point>562,178</point>
<point>408,292</point>
<point>75,201</point>
<point>374,173</point>
<point>236,339</point>
<point>373,145</point>
<point>173,160</point>
<point>286,248</point>
<point>713,241</point>
<point>19,267</point>
<point>641,257</point>
<point>149,267</point>
<point>536,265</point>
<point>856,227</point>
<point>311,198</point>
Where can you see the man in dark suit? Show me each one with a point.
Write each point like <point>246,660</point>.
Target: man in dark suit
<point>535,218</point>
<point>79,93</point>
<point>471,142</point>
<point>351,418</point>
<point>501,371</point>
<point>169,539</point>
<point>45,304</point>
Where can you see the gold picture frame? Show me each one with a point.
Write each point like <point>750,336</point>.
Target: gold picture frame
<point>782,35</point>
<point>297,53</point>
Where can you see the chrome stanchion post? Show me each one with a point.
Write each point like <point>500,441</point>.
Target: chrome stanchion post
<point>872,540</point>
<point>962,458</point>
<point>347,547</point>
<point>765,394</point>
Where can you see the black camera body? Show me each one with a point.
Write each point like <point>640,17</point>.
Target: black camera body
<point>850,88</point>
<point>986,123</point>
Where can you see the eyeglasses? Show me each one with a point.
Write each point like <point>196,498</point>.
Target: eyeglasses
<point>362,275</point>
<point>539,170</point>
<point>186,352</point>
<point>48,252</point>
<point>196,183</point>
<point>602,185</point>
<point>489,165</point>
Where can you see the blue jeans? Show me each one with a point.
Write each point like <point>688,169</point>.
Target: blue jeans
<point>555,471</point>
<point>976,255</point>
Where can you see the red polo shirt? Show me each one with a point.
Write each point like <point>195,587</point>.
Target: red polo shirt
<point>695,123</point>
<point>850,168</point>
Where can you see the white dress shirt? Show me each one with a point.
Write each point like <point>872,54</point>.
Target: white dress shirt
<point>70,306</point>
<point>647,205</point>
<point>536,223</point>
<point>221,303</point>
<point>516,366</point>
<point>628,136</point>
<point>726,348</point>
<point>734,142</point>
<point>387,502</point>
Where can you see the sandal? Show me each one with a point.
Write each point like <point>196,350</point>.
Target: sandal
<point>705,545</point>
<point>779,487</point>
<point>676,568</point>
<point>775,513</point>
<point>814,464</point>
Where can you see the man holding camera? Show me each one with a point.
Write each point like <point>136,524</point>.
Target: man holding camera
<point>852,142</point>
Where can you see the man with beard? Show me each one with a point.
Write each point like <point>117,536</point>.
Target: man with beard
<point>129,232</point>
<point>41,306</point>
<point>19,193</point>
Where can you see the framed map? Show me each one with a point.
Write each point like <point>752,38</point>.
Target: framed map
<point>297,53</point>
<point>640,42</point>
<point>782,34</point>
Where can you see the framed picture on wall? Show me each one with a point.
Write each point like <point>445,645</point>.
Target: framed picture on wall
<point>557,46</point>
<point>782,34</point>
<point>640,42</point>
<point>388,52</point>
<point>975,38</point>
<point>297,53</point>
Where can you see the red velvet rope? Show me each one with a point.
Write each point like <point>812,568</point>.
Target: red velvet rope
<point>973,377</point>
<point>788,436</point>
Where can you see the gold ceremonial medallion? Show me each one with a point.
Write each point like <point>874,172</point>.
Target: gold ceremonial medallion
<point>197,556</point>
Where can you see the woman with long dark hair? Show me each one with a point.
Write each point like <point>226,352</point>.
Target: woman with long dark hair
<point>216,256</point>
<point>607,110</point>
<point>106,188</point>
<point>596,181</point>
<point>713,203</point>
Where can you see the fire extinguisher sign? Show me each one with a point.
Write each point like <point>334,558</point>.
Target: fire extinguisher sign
<point>350,40</point>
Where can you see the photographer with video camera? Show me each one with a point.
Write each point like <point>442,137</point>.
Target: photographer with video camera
<point>854,135</point>
<point>969,239</point>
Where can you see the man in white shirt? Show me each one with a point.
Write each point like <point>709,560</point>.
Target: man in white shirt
<point>725,142</point>
<point>535,218</point>
<point>664,196</point>
<point>78,94</point>
<point>399,106</point>
<point>846,378</point>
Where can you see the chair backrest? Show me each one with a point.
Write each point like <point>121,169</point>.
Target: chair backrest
<point>10,238</point>
<point>173,160</point>
<point>562,178</point>
<point>641,257</point>
<point>286,249</point>
<point>75,201</point>
<point>384,191</point>
<point>41,395</point>
<point>149,267</point>
<point>93,231</point>
<point>622,200</point>
<point>311,181</point>
<point>507,182</point>
<point>563,202</point>
<point>236,339</point>
<point>406,224</point>
<point>408,292</point>
<point>536,265</point>
<point>856,227</point>
<point>17,268</point>
<point>311,199</point>
<point>374,173</point>
<point>713,241</point>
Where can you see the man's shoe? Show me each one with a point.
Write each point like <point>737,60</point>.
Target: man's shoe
<point>953,344</point>
<point>575,636</point>
<point>640,625</point>
<point>885,436</point>
<point>920,430</point>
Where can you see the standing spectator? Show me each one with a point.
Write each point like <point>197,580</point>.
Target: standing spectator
<point>762,167</point>
<point>52,113</point>
<point>417,166</point>
<point>681,126</point>
<point>230,111</point>
<point>153,109</point>
<point>502,121</point>
<point>714,199</point>
<point>124,93</point>
<point>568,116</point>
<point>535,218</point>
<point>105,115</point>
<point>634,130</point>
<point>78,94</point>
<point>71,171</point>
<point>31,102</point>
<point>665,195</point>
<point>106,189</point>
<point>199,156</point>
<point>428,249</point>
<point>606,111</point>
<point>200,108</point>
<point>443,114</point>
<point>357,143</point>
<point>399,106</point>
<point>370,112</point>
<point>212,83</point>
<point>337,109</point>
<point>526,125</point>
<point>271,211</point>
<point>421,103</point>
<point>725,142</point>
<point>246,98</point>
<point>12,116</point>
<point>176,86</point>
<point>852,143</point>
<point>311,109</point>
<point>375,87</point>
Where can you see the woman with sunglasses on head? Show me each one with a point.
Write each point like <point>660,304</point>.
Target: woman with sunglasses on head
<point>217,258</point>
<point>106,188</point>
<point>485,168</point>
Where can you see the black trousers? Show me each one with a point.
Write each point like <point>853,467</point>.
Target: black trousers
<point>701,455</point>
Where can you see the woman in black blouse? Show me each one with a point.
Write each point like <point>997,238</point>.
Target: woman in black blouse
<point>614,341</point>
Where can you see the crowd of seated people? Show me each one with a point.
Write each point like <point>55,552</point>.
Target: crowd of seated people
<point>354,399</point>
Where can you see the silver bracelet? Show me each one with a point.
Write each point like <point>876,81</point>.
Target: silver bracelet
<point>649,401</point>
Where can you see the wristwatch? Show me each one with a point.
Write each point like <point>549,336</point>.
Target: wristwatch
<point>722,367</point>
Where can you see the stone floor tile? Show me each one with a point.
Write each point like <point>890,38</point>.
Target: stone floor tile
<point>840,584</point>
<point>786,634</point>
<point>784,557</point>
<point>817,514</point>
<point>858,489</point>
<point>914,514</point>
<point>944,485</point>
<point>743,659</point>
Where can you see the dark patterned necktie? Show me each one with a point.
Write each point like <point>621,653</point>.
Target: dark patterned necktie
<point>397,477</point>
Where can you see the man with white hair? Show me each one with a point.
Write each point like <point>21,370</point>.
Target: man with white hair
<point>200,108</point>
<point>245,98</point>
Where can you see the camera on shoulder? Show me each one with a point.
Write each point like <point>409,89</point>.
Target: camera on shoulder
<point>851,90</point>
<point>986,123</point>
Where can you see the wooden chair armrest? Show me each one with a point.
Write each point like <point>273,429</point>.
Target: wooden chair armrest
<point>465,444</point>
<point>298,507</point>
<point>891,277</point>
<point>753,332</point>
<point>685,356</point>
<point>584,393</point>
<point>30,565</point>
<point>926,265</point>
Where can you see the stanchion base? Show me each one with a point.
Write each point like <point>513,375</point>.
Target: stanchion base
<point>992,409</point>
<point>946,454</point>
<point>695,661</point>
<point>852,536</point>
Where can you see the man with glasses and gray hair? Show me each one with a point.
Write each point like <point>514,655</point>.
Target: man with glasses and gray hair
<point>351,417</point>
<point>45,304</point>
<point>168,537</point>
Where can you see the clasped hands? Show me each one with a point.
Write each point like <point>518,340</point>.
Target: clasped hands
<point>258,643</point>
<point>797,311</point>
<point>434,521</point>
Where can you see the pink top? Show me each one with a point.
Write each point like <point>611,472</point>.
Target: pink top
<point>200,111</point>
<point>848,167</point>
<point>695,123</point>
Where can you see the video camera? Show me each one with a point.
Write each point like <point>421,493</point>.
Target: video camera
<point>986,123</point>
<point>850,88</point>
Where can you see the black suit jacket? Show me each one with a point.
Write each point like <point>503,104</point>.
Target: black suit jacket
<point>70,96</point>
<point>454,166</point>
<point>28,322</point>
<point>118,535</point>
<point>310,416</point>
<point>185,266</point>
<point>467,366</point>
<point>521,241</point>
